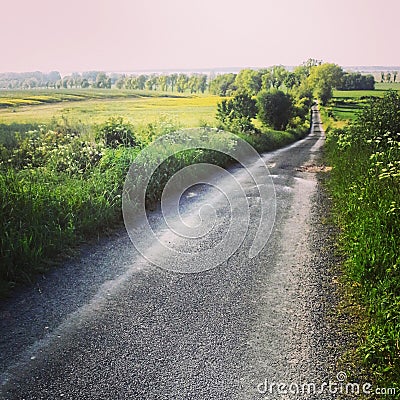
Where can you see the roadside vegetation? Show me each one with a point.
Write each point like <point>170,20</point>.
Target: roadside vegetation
<point>65,150</point>
<point>64,155</point>
<point>365,186</point>
<point>66,146</point>
<point>62,174</point>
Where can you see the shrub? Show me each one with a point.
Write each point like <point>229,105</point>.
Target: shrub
<point>56,151</point>
<point>236,114</point>
<point>115,132</point>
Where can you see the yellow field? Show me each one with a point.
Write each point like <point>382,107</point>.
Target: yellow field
<point>189,111</point>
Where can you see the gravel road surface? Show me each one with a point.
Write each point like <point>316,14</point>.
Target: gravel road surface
<point>110,325</point>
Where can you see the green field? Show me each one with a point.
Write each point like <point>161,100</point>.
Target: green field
<point>346,104</point>
<point>95,106</point>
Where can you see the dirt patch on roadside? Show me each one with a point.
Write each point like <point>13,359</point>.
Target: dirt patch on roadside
<point>314,168</point>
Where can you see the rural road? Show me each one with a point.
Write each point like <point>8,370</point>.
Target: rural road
<point>110,325</point>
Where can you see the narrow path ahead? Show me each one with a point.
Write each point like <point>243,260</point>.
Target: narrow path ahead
<point>112,326</point>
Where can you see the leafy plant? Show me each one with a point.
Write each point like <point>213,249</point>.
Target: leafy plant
<point>236,114</point>
<point>115,132</point>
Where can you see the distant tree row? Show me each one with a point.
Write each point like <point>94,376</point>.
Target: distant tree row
<point>311,77</point>
<point>195,83</point>
<point>93,79</point>
<point>28,80</point>
<point>32,80</point>
<point>253,81</point>
<point>356,81</point>
<point>322,77</point>
<point>389,76</point>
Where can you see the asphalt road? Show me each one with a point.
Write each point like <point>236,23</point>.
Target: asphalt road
<point>110,325</point>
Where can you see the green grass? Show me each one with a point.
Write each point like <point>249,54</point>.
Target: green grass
<point>365,187</point>
<point>345,105</point>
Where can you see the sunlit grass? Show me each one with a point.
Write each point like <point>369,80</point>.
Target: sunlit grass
<point>190,111</point>
<point>345,105</point>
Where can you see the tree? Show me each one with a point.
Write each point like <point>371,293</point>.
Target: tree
<point>223,85</point>
<point>77,79</point>
<point>85,83</point>
<point>291,80</point>
<point>237,113</point>
<point>323,78</point>
<point>202,83</point>
<point>101,80</point>
<point>172,79</point>
<point>120,82</point>
<point>275,109</point>
<point>163,82</point>
<point>131,83</point>
<point>192,84</point>
<point>394,76</point>
<point>181,83</point>
<point>303,71</point>
<point>273,77</point>
<point>356,81</point>
<point>278,75</point>
<point>323,92</point>
<point>151,83</point>
<point>249,81</point>
<point>141,82</point>
<point>381,118</point>
<point>388,77</point>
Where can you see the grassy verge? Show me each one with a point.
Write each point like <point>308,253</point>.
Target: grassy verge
<point>365,186</point>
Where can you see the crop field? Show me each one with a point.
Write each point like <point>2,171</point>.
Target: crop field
<point>347,104</point>
<point>16,98</point>
<point>96,106</point>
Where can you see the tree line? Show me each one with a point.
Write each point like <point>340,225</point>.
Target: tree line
<point>389,77</point>
<point>249,80</point>
<point>28,80</point>
<point>278,77</point>
<point>195,83</point>
<point>279,98</point>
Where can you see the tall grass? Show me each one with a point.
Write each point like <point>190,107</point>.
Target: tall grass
<point>365,185</point>
<point>45,211</point>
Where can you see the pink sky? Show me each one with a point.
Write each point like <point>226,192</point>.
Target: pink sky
<point>122,35</point>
